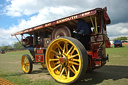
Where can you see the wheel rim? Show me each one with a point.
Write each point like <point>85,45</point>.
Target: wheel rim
<point>61,31</point>
<point>25,64</point>
<point>63,60</point>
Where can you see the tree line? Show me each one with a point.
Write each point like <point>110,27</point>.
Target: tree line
<point>121,38</point>
<point>15,46</point>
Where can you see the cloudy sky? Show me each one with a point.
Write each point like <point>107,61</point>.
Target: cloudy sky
<point>16,15</point>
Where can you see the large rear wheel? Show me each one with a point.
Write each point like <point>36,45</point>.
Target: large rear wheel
<point>66,60</point>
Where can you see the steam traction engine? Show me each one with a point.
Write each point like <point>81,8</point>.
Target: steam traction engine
<point>55,46</point>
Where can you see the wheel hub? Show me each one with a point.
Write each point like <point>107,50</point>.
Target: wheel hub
<point>63,60</point>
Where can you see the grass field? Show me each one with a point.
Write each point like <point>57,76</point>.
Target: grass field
<point>115,72</point>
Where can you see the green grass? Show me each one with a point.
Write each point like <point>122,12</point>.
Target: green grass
<point>115,72</point>
<point>118,56</point>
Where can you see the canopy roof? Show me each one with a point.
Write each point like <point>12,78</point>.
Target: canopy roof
<point>65,19</point>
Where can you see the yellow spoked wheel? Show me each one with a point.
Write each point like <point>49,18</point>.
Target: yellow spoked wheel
<point>66,60</point>
<point>26,64</point>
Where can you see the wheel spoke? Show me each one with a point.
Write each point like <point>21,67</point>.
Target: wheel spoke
<point>73,56</point>
<point>60,47</point>
<point>76,60</point>
<point>24,62</point>
<point>72,70</point>
<point>25,59</point>
<point>59,51</point>
<point>73,63</point>
<point>73,51</point>
<point>66,71</point>
<point>24,66</point>
<point>27,67</point>
<point>69,50</point>
<point>60,68</point>
<point>57,62</point>
<point>66,46</point>
<point>53,59</point>
<point>27,64</point>
<point>64,49</point>
<point>57,56</point>
<point>62,72</point>
<point>56,67</point>
<point>55,52</point>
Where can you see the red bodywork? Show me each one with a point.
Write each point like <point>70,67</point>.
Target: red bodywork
<point>39,58</point>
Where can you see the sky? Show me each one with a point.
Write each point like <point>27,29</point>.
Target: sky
<point>16,15</point>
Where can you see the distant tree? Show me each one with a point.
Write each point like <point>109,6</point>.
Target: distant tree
<point>120,38</point>
<point>10,47</point>
<point>17,46</point>
<point>123,38</point>
<point>3,47</point>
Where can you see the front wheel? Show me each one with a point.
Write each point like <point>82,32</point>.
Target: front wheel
<point>26,64</point>
<point>66,60</point>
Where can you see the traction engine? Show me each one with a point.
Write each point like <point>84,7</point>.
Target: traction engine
<point>55,46</point>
